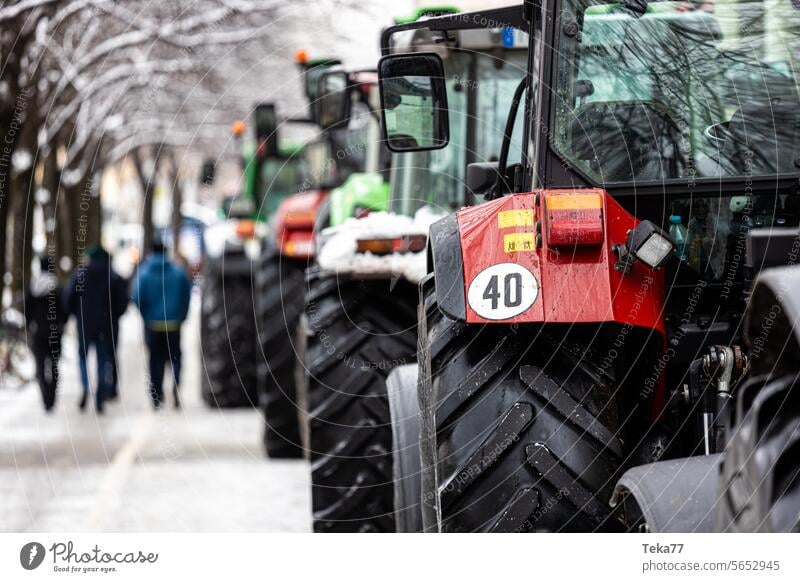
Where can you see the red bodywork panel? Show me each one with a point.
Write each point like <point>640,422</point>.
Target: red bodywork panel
<point>295,220</point>
<point>576,283</point>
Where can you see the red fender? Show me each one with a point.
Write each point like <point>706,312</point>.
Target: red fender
<point>295,220</point>
<point>574,283</point>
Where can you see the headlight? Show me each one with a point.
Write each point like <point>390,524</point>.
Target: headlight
<point>654,250</point>
<point>646,243</point>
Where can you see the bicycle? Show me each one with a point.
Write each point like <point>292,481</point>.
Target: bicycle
<point>17,364</point>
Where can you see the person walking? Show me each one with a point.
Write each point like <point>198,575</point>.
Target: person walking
<point>97,297</point>
<point>44,316</point>
<point>162,291</point>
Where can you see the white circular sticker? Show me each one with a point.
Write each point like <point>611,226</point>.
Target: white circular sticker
<point>502,291</point>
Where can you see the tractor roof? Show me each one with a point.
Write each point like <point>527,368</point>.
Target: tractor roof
<point>509,16</point>
<point>427,11</point>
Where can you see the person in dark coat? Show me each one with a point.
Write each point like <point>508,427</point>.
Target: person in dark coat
<point>97,297</point>
<point>44,316</point>
<point>162,291</point>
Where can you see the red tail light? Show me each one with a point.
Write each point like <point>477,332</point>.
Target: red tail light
<point>385,246</point>
<point>573,218</point>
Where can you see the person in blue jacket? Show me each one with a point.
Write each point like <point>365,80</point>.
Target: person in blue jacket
<point>162,290</point>
<point>97,297</point>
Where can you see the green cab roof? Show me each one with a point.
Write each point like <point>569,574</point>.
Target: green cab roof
<point>290,149</point>
<point>427,11</point>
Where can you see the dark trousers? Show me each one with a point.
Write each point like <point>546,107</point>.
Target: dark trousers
<point>164,347</point>
<point>113,388</point>
<point>46,353</point>
<point>104,352</point>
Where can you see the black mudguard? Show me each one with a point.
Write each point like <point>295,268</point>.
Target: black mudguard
<point>446,261</point>
<point>760,474</point>
<point>677,496</point>
<point>772,322</point>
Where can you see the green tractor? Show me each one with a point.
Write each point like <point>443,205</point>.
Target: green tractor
<point>347,170</point>
<point>271,171</point>
<point>362,298</point>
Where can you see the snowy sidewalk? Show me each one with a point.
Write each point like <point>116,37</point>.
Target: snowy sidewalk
<point>190,470</point>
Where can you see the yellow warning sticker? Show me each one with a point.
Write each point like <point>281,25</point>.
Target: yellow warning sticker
<point>517,217</point>
<point>516,242</point>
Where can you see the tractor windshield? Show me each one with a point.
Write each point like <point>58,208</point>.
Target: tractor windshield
<point>336,155</point>
<point>480,88</point>
<point>678,90</point>
<point>279,177</point>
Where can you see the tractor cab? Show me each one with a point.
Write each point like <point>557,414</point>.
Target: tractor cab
<point>482,70</point>
<point>344,164</point>
<point>351,98</point>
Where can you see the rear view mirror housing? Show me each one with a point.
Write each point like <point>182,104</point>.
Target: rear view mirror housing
<point>333,104</point>
<point>207,172</point>
<point>312,71</point>
<point>266,129</point>
<point>413,102</point>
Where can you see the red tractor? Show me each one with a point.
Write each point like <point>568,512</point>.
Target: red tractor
<point>591,325</point>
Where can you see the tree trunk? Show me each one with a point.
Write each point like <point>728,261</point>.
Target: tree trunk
<point>147,180</point>
<point>9,128</point>
<point>51,178</point>
<point>92,188</point>
<point>22,182</point>
<point>6,151</point>
<point>177,201</point>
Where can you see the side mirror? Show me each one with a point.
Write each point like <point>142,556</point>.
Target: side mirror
<point>207,172</point>
<point>266,127</point>
<point>311,76</point>
<point>413,102</point>
<point>333,103</point>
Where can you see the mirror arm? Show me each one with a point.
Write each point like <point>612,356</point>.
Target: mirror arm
<point>500,185</point>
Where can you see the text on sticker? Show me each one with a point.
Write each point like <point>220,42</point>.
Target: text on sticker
<point>517,217</point>
<point>516,242</point>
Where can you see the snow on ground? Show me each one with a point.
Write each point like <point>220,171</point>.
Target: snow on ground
<point>191,470</point>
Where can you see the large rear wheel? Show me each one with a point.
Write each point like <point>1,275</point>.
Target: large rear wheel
<point>278,288</point>
<point>359,331</point>
<point>518,427</point>
<point>227,334</point>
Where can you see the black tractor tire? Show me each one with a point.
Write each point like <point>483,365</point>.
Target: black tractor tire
<point>278,287</point>
<point>359,331</point>
<point>227,338</point>
<point>518,427</point>
<point>760,474</point>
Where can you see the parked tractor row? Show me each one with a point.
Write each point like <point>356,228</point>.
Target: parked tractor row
<point>540,275</point>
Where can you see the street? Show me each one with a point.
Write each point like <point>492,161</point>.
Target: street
<point>134,470</point>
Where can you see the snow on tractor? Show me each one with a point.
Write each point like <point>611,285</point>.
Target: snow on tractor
<point>610,340</point>
<point>361,306</point>
<point>271,171</point>
<point>346,178</point>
